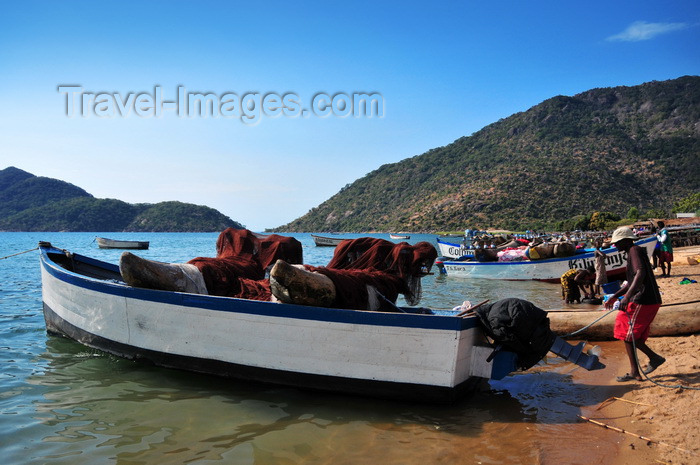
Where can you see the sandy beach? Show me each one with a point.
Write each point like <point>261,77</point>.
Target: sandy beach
<point>665,413</point>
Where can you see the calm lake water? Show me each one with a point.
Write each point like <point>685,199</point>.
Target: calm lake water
<point>62,403</point>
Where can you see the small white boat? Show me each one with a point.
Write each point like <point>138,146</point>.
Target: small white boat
<point>324,241</point>
<point>453,249</point>
<point>541,270</point>
<point>419,354</point>
<point>104,243</point>
<point>399,236</point>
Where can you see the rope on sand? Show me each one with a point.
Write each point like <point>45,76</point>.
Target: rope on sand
<point>644,438</point>
<point>607,401</point>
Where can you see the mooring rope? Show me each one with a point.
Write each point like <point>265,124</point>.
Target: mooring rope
<point>590,324</point>
<point>20,253</point>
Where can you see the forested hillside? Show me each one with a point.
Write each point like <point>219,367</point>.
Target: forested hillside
<point>606,149</point>
<point>33,203</point>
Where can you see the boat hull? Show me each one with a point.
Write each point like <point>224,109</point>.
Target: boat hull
<point>396,355</point>
<point>104,243</point>
<point>549,270</point>
<point>453,250</point>
<point>323,241</point>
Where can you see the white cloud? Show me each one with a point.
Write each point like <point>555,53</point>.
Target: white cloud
<point>641,30</point>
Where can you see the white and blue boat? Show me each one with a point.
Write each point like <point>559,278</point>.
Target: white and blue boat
<point>414,354</point>
<point>549,270</point>
<point>453,249</point>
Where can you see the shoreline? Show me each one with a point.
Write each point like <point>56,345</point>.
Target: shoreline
<point>668,414</point>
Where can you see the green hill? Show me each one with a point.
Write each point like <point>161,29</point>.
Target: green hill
<point>606,149</point>
<point>32,203</point>
<point>20,191</point>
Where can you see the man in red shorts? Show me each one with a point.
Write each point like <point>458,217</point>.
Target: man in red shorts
<point>638,307</point>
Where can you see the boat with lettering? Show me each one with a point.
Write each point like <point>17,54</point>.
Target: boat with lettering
<point>454,249</point>
<point>549,270</point>
<point>414,353</point>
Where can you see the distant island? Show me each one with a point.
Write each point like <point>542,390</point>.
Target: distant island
<point>619,152</point>
<point>35,203</point>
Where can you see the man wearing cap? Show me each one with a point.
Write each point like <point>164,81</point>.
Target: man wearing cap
<point>638,307</point>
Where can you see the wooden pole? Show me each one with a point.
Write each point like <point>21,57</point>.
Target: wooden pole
<point>644,438</point>
<point>471,309</point>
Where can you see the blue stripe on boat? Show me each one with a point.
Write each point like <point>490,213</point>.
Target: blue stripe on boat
<point>253,307</point>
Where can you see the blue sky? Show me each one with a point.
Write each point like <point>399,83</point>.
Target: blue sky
<point>443,70</point>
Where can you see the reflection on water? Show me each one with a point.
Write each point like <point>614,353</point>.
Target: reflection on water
<point>105,407</point>
<point>448,291</point>
<point>95,408</point>
<point>61,403</point>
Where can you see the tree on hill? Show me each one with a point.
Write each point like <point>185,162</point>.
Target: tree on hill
<point>690,204</point>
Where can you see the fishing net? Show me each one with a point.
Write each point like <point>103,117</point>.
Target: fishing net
<point>242,258</point>
<point>392,269</point>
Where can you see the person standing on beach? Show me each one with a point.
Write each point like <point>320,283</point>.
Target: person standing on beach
<point>666,250</point>
<point>638,307</point>
<point>601,276</point>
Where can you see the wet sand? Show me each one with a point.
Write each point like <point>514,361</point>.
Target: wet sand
<point>668,414</point>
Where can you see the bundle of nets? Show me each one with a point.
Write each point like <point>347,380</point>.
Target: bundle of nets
<point>392,269</point>
<point>242,257</point>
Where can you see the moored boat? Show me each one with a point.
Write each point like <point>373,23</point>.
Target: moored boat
<point>104,243</point>
<point>399,236</point>
<point>324,241</point>
<point>549,270</point>
<point>417,353</point>
<point>453,249</point>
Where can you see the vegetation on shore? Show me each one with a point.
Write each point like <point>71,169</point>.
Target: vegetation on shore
<point>599,221</point>
<point>33,203</point>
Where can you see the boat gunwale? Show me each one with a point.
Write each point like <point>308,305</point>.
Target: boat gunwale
<point>440,241</point>
<point>244,306</point>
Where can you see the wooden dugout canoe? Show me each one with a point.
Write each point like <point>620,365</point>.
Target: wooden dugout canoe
<point>104,243</point>
<point>323,241</point>
<point>672,320</point>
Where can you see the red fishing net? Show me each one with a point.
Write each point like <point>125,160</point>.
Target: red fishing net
<point>242,258</point>
<point>391,268</point>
